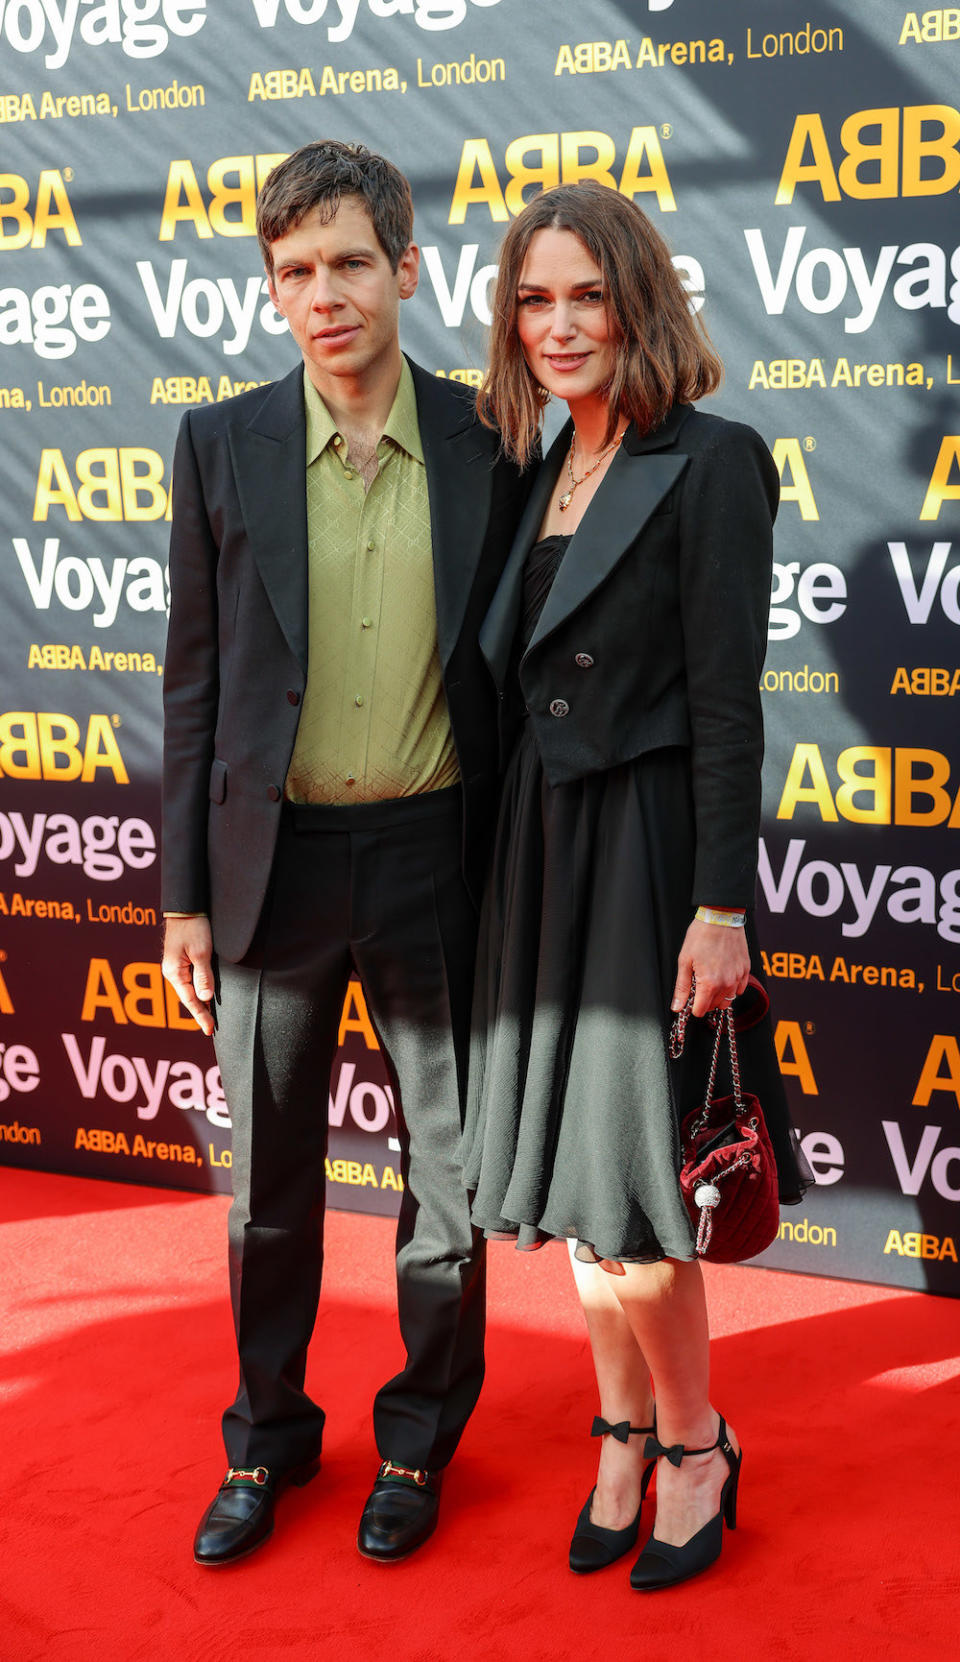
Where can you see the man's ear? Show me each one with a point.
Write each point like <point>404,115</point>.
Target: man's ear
<point>408,271</point>
<point>274,297</point>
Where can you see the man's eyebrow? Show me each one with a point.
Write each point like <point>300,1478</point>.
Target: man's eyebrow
<point>365,252</point>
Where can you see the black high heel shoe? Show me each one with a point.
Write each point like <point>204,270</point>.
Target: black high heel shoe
<point>593,1547</point>
<point>663,1565</point>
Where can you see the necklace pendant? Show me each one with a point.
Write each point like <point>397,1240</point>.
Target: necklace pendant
<point>565,501</point>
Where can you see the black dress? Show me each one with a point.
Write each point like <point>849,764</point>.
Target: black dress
<point>573,1105</point>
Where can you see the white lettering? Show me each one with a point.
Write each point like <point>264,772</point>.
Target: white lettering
<point>913,900</point>
<point>923,285</point>
<point>124,23</point>
<point>88,843</point>
<point>75,582</point>
<point>429,15</point>
<point>203,304</point>
<point>41,319</point>
<point>911,1176</point>
<point>918,601</point>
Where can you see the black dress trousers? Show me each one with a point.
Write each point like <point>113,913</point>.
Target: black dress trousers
<point>374,888</point>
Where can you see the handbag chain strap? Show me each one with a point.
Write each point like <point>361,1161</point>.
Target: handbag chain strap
<point>721,1019</point>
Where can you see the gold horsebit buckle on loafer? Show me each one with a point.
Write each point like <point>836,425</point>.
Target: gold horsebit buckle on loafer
<point>247,1474</point>
<point>408,1474</point>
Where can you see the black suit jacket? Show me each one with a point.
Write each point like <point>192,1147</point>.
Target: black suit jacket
<point>236,661</point>
<point>655,629</point>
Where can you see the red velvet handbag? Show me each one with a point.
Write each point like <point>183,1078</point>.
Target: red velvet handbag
<point>729,1174</point>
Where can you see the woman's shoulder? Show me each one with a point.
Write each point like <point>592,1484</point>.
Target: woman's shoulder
<point>704,432</point>
<point>727,458</point>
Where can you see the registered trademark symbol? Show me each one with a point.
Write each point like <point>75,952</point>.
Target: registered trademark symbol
<point>809,1027</point>
<point>115,720</point>
<point>68,174</point>
<point>809,444</point>
<point>666,131</point>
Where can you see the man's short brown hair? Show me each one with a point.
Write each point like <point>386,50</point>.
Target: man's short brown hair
<point>319,175</point>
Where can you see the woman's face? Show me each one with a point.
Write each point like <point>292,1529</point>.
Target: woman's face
<point>562,321</point>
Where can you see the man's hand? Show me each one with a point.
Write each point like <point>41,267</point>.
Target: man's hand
<point>187,955</point>
<point>719,959</point>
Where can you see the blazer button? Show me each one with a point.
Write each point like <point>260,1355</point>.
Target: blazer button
<point>583,660</point>
<point>559,707</point>
<point>293,697</point>
<point>274,793</point>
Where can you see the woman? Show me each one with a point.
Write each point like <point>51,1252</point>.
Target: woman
<point>628,631</point>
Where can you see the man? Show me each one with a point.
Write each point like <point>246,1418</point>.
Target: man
<point>329,783</point>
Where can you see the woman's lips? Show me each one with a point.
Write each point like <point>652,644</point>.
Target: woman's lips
<point>568,361</point>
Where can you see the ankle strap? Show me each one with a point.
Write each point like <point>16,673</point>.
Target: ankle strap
<point>622,1430</point>
<point>653,1448</point>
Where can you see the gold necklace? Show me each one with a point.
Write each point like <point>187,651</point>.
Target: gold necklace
<point>567,496</point>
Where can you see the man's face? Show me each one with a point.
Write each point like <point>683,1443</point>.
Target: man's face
<point>334,285</point>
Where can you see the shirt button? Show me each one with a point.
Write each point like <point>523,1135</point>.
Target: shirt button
<point>274,793</point>
<point>351,779</point>
<point>366,623</point>
<point>293,697</point>
<point>583,660</point>
<point>370,547</point>
<point>347,473</point>
<point>559,707</point>
<point>358,700</point>
<point>337,441</point>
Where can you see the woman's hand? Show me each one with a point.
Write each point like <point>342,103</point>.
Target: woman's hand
<point>717,955</point>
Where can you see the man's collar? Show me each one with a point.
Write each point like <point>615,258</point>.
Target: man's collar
<point>401,425</point>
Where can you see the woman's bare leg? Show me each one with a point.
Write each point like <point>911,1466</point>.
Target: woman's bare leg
<point>664,1329</point>
<point>623,1382</point>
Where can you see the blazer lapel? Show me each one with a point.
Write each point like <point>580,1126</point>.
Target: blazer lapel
<point>458,455</point>
<point>502,620</point>
<point>269,460</point>
<point>632,490</point>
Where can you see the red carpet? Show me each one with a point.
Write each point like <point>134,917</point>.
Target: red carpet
<point>117,1358</point>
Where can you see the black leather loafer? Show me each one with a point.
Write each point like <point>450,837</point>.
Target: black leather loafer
<point>400,1514</point>
<point>240,1517</point>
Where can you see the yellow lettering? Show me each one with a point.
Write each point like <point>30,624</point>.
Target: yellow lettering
<point>793,1056</point>
<point>644,146</point>
<point>945,1050</point>
<point>807,130</point>
<point>475,157</point>
<point>355,1017</point>
<point>806,757</point>
<point>788,454</point>
<point>101,993</point>
<point>182,203</point>
<point>940,489</point>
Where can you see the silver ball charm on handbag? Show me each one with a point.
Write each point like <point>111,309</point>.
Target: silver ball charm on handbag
<point>706,1194</point>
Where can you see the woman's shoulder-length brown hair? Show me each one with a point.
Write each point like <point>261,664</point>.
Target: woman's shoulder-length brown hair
<point>663,353</point>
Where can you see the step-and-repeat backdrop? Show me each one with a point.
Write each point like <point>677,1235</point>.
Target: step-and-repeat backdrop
<point>804,164</point>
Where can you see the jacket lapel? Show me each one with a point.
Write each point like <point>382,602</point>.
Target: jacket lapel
<point>269,461</point>
<point>502,620</point>
<point>632,490</point>
<point>636,483</point>
<point>458,455</point>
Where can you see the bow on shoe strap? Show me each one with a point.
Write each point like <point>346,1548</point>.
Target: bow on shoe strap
<point>622,1430</point>
<point>653,1449</point>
